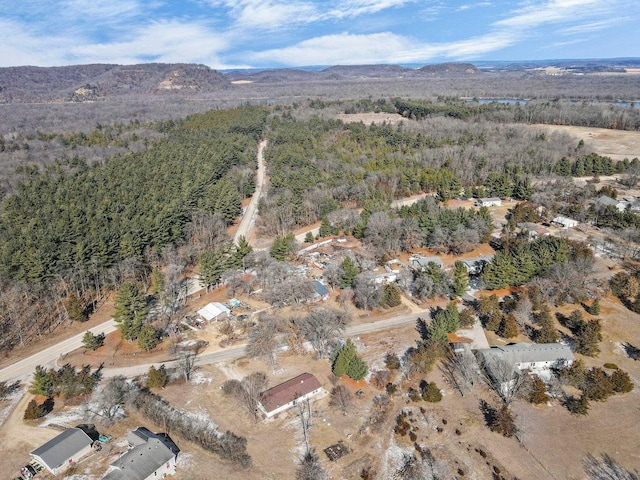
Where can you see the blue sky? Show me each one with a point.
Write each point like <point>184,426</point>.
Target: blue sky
<point>289,33</point>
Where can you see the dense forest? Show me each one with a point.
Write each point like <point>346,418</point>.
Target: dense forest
<point>111,202</point>
<point>67,230</point>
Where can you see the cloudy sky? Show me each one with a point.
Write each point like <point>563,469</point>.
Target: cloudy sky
<point>279,33</point>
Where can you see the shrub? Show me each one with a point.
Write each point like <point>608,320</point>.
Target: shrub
<point>157,377</point>
<point>611,366</point>
<point>392,361</point>
<point>621,381</point>
<point>431,393</point>
<point>38,410</point>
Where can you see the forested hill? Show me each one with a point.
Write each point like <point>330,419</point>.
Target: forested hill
<point>100,81</point>
<point>100,215</point>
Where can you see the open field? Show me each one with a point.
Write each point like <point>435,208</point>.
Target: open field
<point>617,144</point>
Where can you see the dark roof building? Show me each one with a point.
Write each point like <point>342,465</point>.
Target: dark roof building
<point>63,450</point>
<point>287,394</point>
<point>153,455</point>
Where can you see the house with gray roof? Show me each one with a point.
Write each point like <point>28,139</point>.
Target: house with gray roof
<point>536,358</point>
<point>421,262</point>
<point>63,450</point>
<point>152,456</point>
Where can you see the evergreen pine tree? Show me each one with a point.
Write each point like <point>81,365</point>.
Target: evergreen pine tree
<point>391,296</point>
<point>538,392</point>
<point>460,279</point>
<point>91,341</point>
<point>76,310</point>
<point>349,273</point>
<point>508,327</point>
<point>157,377</point>
<point>594,309</point>
<point>130,310</point>
<point>148,338</point>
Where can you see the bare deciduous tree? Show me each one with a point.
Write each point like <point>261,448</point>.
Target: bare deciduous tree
<point>322,327</point>
<point>342,398</point>
<point>504,378</point>
<point>461,370</point>
<point>107,402</point>
<point>263,339</point>
<point>605,468</point>
<point>187,364</point>
<point>247,391</point>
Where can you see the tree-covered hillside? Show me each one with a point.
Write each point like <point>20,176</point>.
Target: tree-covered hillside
<point>102,214</point>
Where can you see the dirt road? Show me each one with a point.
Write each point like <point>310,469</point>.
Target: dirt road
<point>249,217</point>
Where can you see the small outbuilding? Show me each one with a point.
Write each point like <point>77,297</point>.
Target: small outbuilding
<point>63,450</point>
<point>489,202</point>
<point>286,395</point>
<point>320,293</point>
<point>565,222</point>
<point>151,456</point>
<point>214,311</point>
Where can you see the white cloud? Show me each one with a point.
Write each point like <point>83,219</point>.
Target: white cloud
<point>165,41</point>
<point>354,8</point>
<point>469,6</point>
<point>346,48</point>
<point>554,11</point>
<point>22,46</point>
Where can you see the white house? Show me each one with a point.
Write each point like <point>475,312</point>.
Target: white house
<point>214,311</point>
<point>63,450</point>
<point>536,358</point>
<point>286,395</point>
<point>565,222</point>
<point>489,202</point>
<point>151,456</point>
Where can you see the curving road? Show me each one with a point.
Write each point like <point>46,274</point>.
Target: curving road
<point>47,357</point>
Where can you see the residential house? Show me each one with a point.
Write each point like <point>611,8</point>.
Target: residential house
<point>536,358</point>
<point>420,262</point>
<point>151,456</point>
<point>64,449</point>
<point>475,265</point>
<point>286,395</point>
<point>214,311</point>
<point>605,201</point>
<point>533,230</point>
<point>489,202</point>
<point>565,222</point>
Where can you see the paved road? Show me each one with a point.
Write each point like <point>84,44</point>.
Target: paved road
<point>23,369</point>
<point>249,217</point>
<point>238,351</point>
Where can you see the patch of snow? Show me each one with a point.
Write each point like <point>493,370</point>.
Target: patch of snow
<point>185,461</point>
<point>10,403</point>
<point>199,378</point>
<point>68,418</point>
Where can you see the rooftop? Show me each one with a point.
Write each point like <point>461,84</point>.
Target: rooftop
<point>288,391</point>
<point>144,458</point>
<point>524,352</point>
<point>62,447</point>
